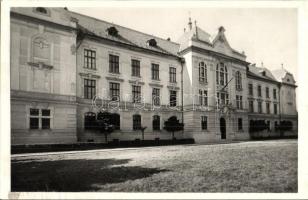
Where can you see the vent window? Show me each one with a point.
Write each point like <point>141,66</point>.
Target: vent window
<point>41,10</point>
<point>112,31</point>
<point>152,42</point>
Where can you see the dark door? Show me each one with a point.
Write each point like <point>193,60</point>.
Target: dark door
<point>223,128</point>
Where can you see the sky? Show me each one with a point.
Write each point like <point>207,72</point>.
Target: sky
<point>267,35</point>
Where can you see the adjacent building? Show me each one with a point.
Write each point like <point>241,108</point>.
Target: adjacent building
<point>67,69</point>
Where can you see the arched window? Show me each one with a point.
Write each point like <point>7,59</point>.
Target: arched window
<point>238,80</point>
<point>202,72</point>
<point>115,120</point>
<point>136,122</point>
<point>156,122</point>
<point>221,74</point>
<point>89,120</point>
<point>41,50</point>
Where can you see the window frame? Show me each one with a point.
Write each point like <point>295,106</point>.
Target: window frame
<point>202,72</point>
<point>136,122</point>
<point>172,98</point>
<point>136,94</point>
<point>156,123</point>
<point>114,64</point>
<point>238,80</point>
<point>172,74</point>
<point>155,71</point>
<point>135,64</point>
<point>89,59</point>
<point>40,118</point>
<point>114,91</point>
<point>89,88</point>
<point>155,97</point>
<point>204,125</point>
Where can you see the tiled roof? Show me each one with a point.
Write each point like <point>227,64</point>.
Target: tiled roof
<point>129,36</point>
<point>259,72</point>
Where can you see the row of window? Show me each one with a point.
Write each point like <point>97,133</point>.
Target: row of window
<point>267,93</point>
<point>268,110</point>
<point>90,118</point>
<point>114,93</point>
<point>90,63</point>
<point>204,123</point>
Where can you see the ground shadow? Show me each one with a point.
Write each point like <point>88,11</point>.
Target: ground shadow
<point>73,175</point>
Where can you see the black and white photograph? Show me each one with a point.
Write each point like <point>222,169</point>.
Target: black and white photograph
<point>139,98</point>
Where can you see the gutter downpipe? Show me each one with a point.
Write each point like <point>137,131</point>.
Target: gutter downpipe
<point>279,89</point>
<point>182,60</point>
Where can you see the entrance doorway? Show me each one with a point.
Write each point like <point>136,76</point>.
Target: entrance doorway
<point>223,128</point>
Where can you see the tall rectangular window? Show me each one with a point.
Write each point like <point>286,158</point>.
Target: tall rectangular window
<point>203,98</point>
<point>268,111</point>
<point>89,59</point>
<point>275,109</point>
<point>34,118</point>
<point>136,122</point>
<point>259,91</point>
<point>173,99</point>
<point>251,109</point>
<point>240,124</point>
<point>45,119</point>
<point>172,75</point>
<point>274,94</point>
<point>114,64</point>
<point>204,122</point>
<point>156,96</point>
<point>267,92</point>
<point>260,106</point>
<point>135,68</point>
<point>222,98</point>
<point>156,122</point>
<point>114,91</point>
<point>250,89</point>
<point>136,94</point>
<point>155,71</point>
<point>239,102</point>
<point>89,88</point>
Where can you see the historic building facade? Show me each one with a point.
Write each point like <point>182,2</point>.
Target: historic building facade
<point>67,69</point>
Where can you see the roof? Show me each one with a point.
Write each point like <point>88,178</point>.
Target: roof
<point>261,72</point>
<point>218,43</point>
<point>279,74</point>
<point>97,27</point>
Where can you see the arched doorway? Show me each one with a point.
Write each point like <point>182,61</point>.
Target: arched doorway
<point>223,128</point>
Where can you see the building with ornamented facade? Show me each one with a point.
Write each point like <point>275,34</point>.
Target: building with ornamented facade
<point>67,69</point>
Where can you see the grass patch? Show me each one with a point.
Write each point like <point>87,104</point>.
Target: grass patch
<point>269,166</point>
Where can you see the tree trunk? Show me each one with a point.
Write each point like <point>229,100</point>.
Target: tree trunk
<point>142,134</point>
<point>172,135</point>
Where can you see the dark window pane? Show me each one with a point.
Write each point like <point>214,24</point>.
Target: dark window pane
<point>156,122</point>
<point>136,122</point>
<point>89,59</point>
<point>45,123</point>
<point>34,111</point>
<point>89,120</point>
<point>34,123</point>
<point>45,112</point>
